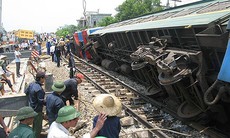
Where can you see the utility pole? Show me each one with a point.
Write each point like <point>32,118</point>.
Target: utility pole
<point>175,2</point>
<point>168,4</point>
<point>84,12</point>
<point>0,13</point>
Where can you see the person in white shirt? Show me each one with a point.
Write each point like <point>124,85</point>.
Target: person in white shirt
<point>17,55</point>
<point>52,49</point>
<point>24,45</point>
<point>68,117</point>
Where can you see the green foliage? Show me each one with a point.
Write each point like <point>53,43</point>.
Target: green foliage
<point>65,30</point>
<point>106,21</point>
<point>134,8</point>
<point>127,10</point>
<point>82,28</point>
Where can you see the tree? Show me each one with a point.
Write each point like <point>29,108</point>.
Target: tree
<point>65,30</point>
<point>134,8</point>
<point>106,21</point>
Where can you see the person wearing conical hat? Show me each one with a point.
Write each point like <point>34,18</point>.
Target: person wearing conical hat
<point>110,105</point>
<point>68,117</point>
<point>54,101</point>
<point>25,116</point>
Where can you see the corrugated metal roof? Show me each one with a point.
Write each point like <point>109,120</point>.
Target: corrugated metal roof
<point>192,15</point>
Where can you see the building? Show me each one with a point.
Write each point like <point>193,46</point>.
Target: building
<point>91,19</point>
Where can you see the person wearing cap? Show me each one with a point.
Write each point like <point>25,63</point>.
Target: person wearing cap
<point>54,101</point>
<point>25,116</point>
<point>110,105</point>
<point>36,99</point>
<point>4,131</point>
<point>68,117</point>
<point>4,78</point>
<point>71,90</point>
<point>17,55</point>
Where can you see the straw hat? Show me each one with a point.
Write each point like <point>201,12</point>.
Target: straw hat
<point>108,104</point>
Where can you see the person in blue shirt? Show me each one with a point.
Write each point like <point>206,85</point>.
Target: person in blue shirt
<point>36,99</point>
<point>48,45</point>
<point>110,105</point>
<point>71,90</point>
<point>39,48</point>
<point>54,101</point>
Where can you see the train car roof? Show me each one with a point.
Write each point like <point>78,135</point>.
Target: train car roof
<point>195,14</point>
<point>91,30</point>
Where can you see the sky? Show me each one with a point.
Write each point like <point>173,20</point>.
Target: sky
<point>48,15</point>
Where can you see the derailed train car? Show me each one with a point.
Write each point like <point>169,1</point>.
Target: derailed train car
<point>177,54</point>
<point>82,43</point>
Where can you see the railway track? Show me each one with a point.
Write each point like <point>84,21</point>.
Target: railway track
<point>135,104</point>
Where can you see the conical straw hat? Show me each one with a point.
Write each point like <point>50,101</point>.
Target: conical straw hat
<point>108,104</point>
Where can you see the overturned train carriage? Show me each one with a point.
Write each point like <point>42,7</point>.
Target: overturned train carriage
<point>177,54</point>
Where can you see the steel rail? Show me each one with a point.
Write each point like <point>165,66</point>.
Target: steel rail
<point>202,129</point>
<point>212,132</point>
<point>157,132</point>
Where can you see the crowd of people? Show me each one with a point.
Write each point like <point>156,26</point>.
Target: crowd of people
<point>62,105</point>
<point>54,48</point>
<point>62,111</point>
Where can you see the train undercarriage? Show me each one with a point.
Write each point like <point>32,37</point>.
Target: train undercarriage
<point>177,55</point>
